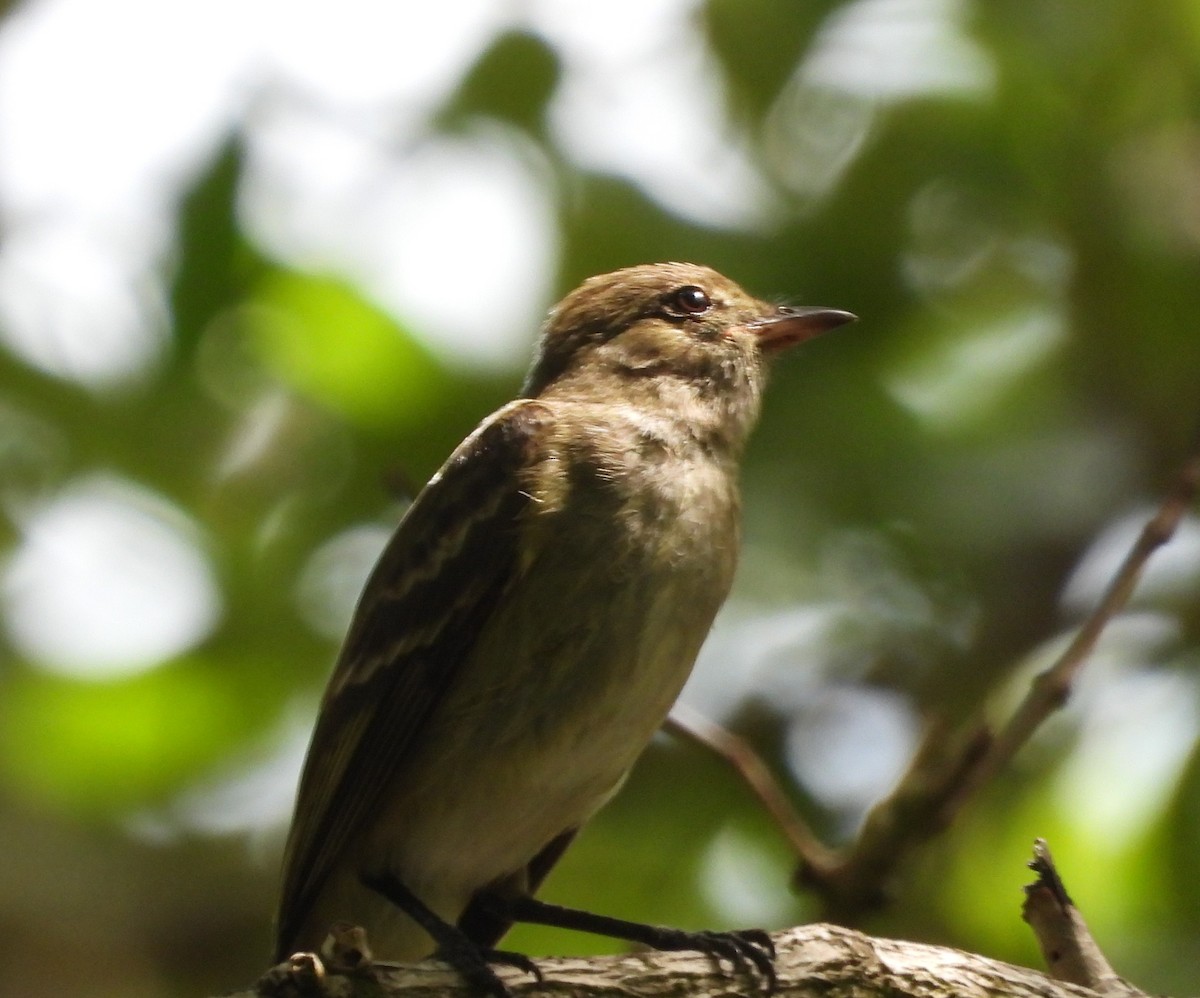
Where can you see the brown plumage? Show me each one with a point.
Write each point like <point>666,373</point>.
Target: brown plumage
<point>536,612</point>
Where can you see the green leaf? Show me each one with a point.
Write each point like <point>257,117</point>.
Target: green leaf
<point>329,343</point>
<point>105,747</point>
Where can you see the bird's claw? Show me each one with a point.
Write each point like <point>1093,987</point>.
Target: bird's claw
<point>508,958</point>
<point>741,949</point>
<point>474,964</point>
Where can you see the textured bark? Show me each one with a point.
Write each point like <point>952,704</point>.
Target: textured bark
<point>814,961</point>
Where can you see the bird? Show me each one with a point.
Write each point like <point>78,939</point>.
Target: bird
<point>529,625</point>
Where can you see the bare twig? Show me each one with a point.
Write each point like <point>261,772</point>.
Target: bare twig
<point>749,765</point>
<point>854,882</point>
<point>1067,945</point>
<point>1051,689</point>
<point>938,783</point>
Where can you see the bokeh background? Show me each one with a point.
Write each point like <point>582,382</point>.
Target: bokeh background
<point>264,262</point>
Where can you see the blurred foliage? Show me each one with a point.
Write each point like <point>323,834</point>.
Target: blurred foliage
<point>1024,260</point>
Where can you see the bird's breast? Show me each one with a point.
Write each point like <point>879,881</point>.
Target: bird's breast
<point>625,574</point>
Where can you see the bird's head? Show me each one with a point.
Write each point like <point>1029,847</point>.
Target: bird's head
<point>669,332</point>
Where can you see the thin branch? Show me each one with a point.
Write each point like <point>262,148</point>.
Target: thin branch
<point>937,785</point>
<point>1067,945</point>
<point>854,882</point>
<point>947,773</point>
<point>749,765</point>
<point>1051,689</point>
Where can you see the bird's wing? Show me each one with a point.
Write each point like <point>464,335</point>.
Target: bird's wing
<point>442,574</point>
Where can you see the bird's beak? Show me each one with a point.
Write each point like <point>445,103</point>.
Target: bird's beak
<point>795,325</point>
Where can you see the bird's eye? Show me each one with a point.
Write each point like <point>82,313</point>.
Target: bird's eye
<point>686,301</point>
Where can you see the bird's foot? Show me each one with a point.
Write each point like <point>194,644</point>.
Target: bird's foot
<point>744,949</point>
<point>748,949</point>
<point>472,961</point>
<point>474,964</point>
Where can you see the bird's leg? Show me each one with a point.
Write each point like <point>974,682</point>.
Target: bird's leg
<point>749,947</point>
<point>470,959</point>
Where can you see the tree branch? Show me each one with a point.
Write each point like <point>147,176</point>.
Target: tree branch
<point>814,961</point>
<point>1050,690</point>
